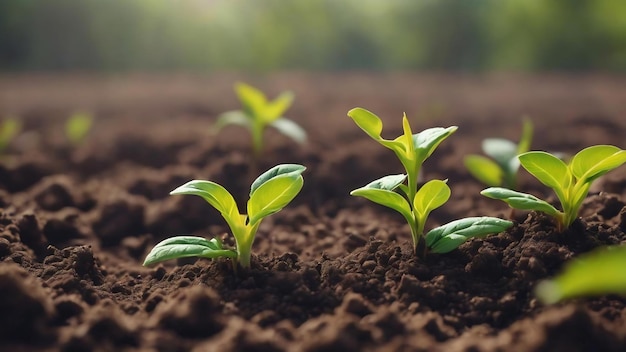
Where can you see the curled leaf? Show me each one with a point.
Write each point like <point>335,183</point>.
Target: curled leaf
<point>447,237</point>
<point>187,246</point>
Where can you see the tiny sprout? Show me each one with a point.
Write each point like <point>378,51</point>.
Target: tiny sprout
<point>501,168</point>
<point>269,193</point>
<point>599,272</point>
<point>77,127</point>
<point>258,113</point>
<point>570,182</point>
<point>413,203</point>
<point>9,129</point>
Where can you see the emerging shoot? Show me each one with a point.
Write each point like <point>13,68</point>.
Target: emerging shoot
<point>414,203</point>
<point>269,193</point>
<point>570,182</point>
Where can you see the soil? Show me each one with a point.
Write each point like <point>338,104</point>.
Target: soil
<point>330,272</point>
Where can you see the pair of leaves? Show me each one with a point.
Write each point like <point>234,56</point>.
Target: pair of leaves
<point>416,147</point>
<point>256,104</point>
<point>430,196</point>
<point>585,167</point>
<point>502,165</point>
<point>448,237</point>
<point>269,193</point>
<point>597,273</point>
<point>570,181</point>
<point>187,246</point>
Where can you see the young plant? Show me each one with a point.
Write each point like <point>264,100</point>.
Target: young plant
<point>9,129</point>
<point>501,168</point>
<point>77,127</point>
<point>600,272</point>
<point>269,193</point>
<point>570,181</point>
<point>414,203</point>
<point>258,113</point>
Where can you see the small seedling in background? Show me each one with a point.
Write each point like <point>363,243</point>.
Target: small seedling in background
<point>600,272</point>
<point>413,203</point>
<point>9,129</point>
<point>269,193</point>
<point>77,127</point>
<point>501,169</point>
<point>258,113</point>
<point>570,181</point>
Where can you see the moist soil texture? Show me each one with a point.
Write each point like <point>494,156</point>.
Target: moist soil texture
<point>330,272</point>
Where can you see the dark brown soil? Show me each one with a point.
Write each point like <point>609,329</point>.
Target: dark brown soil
<point>330,272</point>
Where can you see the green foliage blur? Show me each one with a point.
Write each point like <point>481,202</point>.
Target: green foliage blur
<point>262,35</point>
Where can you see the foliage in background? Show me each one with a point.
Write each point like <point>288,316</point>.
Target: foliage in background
<point>258,113</point>
<point>77,127</point>
<point>118,35</point>
<point>10,127</point>
<point>501,169</point>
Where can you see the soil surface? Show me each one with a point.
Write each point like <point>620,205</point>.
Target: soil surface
<point>330,272</point>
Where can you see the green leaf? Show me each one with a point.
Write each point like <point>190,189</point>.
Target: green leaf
<point>519,200</point>
<point>368,122</point>
<point>485,170</point>
<point>381,192</point>
<point>373,126</point>
<point>290,129</point>
<point>278,170</point>
<point>445,238</point>
<point>277,107</point>
<point>501,150</point>
<point>427,141</point>
<point>527,136</point>
<point>215,195</point>
<point>252,99</point>
<point>548,169</point>
<point>448,243</point>
<point>388,183</point>
<point>600,272</point>
<point>595,161</point>
<point>187,246</point>
<point>236,117</point>
<point>430,196</point>
<point>77,127</point>
<point>273,195</point>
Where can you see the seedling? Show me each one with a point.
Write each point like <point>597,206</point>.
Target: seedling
<point>413,203</point>
<point>600,272</point>
<point>570,181</point>
<point>501,168</point>
<point>77,127</point>
<point>9,129</point>
<point>269,193</point>
<point>258,113</point>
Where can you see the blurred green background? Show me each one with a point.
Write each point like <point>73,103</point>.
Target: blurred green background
<point>266,35</point>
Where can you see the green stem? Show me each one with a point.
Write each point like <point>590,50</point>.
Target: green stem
<point>244,244</point>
